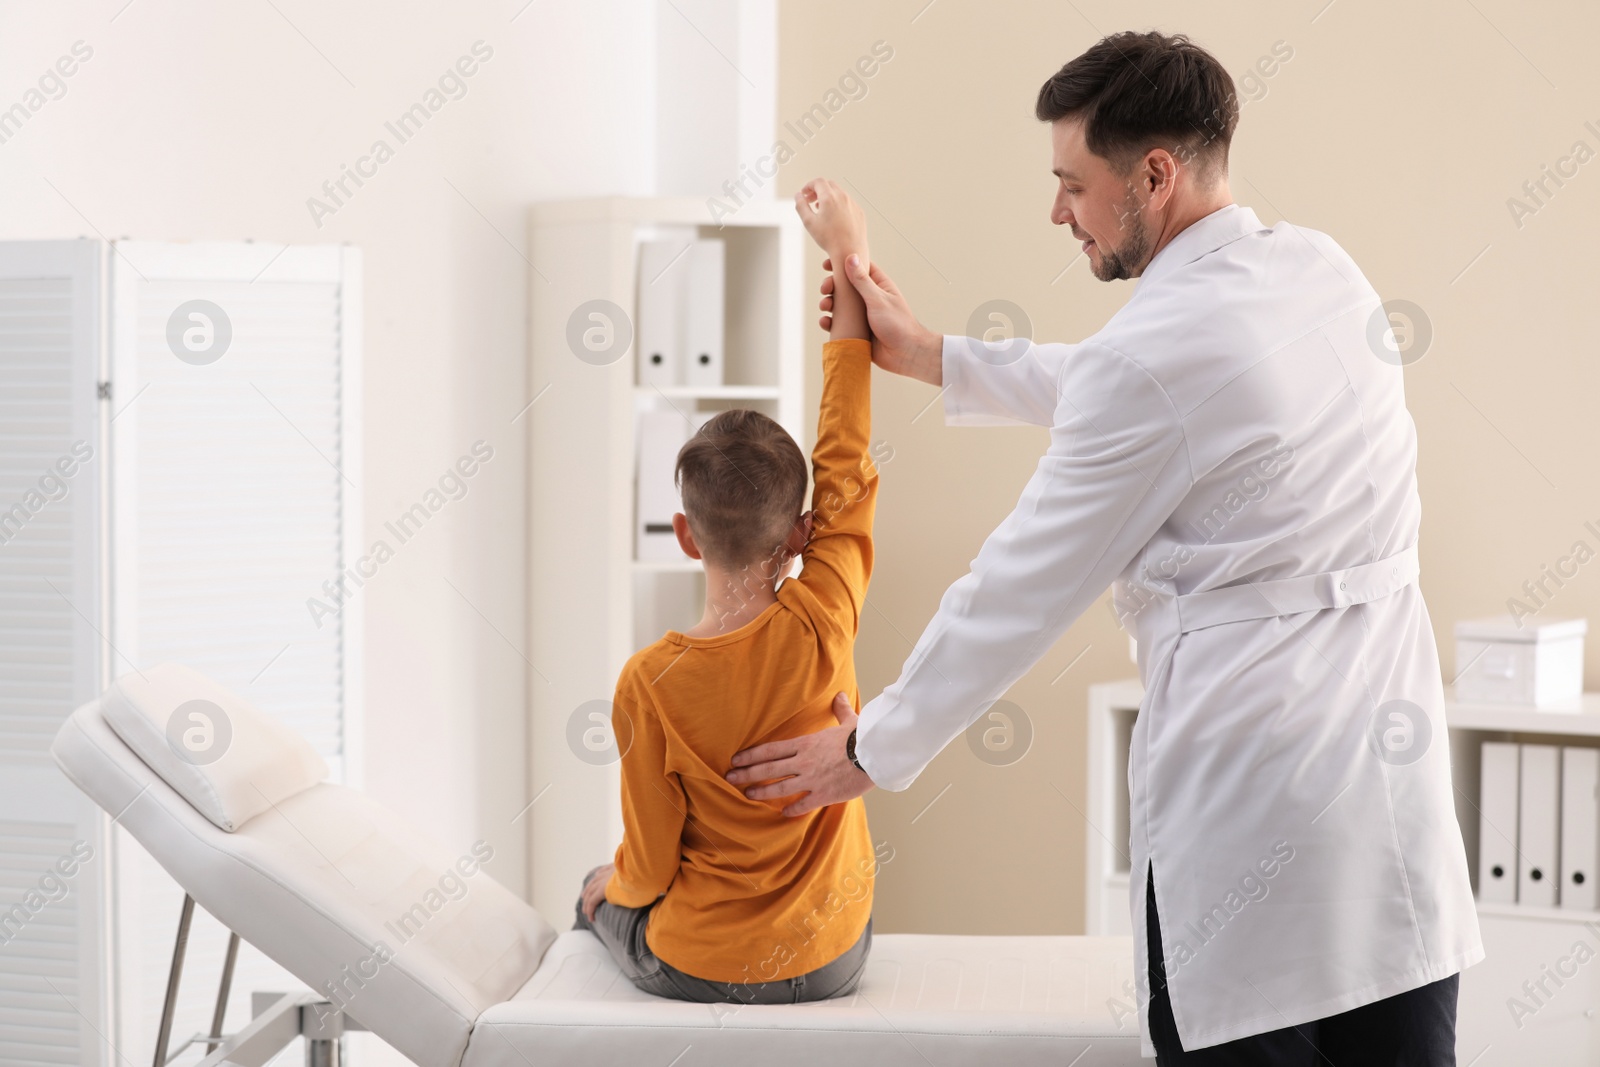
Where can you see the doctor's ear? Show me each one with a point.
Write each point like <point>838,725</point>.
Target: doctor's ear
<point>1158,175</point>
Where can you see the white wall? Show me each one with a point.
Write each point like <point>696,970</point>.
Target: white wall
<point>196,120</point>
<point>716,80</point>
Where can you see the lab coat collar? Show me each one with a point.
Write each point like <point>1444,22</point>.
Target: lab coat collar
<point>1222,226</point>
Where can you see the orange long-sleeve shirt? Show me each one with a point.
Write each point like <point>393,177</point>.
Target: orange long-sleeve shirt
<point>752,895</point>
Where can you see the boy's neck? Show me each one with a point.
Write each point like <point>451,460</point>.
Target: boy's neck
<point>733,598</point>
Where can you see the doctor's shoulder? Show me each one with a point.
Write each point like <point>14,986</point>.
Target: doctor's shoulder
<point>1315,251</point>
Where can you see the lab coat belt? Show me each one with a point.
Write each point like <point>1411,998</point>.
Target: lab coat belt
<point>1303,592</point>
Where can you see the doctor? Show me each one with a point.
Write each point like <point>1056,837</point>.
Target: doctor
<point>1233,455</point>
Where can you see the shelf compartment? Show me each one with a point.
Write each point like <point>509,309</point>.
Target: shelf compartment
<point>752,320</point>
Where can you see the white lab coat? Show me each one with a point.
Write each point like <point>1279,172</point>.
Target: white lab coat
<point>1232,427</point>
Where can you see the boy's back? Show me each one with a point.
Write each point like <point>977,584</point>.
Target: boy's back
<point>753,895</point>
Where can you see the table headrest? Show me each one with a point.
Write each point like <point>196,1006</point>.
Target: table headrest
<point>229,759</point>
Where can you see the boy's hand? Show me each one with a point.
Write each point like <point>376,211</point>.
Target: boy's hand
<point>594,890</point>
<point>832,219</point>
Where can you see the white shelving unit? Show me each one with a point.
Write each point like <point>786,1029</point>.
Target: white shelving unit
<point>1523,944</point>
<point>592,605</point>
<point>1112,708</point>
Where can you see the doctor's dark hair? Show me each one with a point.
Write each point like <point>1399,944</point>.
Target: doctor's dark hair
<point>1138,91</point>
<point>743,480</point>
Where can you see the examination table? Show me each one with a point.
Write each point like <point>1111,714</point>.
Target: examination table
<point>370,915</point>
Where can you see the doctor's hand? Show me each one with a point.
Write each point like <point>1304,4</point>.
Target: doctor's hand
<point>814,765</point>
<point>900,344</point>
<point>594,890</point>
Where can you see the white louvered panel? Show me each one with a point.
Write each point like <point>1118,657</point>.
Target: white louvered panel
<point>38,684</point>
<point>39,947</point>
<point>240,496</point>
<point>54,981</point>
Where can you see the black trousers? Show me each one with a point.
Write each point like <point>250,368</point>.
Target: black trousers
<point>1412,1029</point>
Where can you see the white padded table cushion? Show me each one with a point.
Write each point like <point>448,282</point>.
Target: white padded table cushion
<point>226,756</point>
<point>318,882</point>
<point>924,999</point>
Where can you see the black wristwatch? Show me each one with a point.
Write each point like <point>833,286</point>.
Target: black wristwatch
<point>850,752</point>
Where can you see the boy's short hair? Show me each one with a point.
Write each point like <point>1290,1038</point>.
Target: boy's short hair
<point>743,481</point>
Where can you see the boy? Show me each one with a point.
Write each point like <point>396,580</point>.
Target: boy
<point>714,897</point>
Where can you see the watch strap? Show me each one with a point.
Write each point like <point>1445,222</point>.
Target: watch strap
<point>850,752</point>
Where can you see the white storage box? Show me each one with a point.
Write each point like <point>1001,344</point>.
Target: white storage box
<point>1539,664</point>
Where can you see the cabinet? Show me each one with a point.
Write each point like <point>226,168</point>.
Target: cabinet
<point>1555,951</point>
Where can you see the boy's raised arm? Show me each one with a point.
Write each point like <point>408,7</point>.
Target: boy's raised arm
<point>838,558</point>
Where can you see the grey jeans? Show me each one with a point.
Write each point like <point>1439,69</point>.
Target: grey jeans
<point>621,931</point>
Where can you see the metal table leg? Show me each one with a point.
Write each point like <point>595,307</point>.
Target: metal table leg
<point>165,1033</point>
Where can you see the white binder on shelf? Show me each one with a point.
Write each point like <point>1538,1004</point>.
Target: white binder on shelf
<point>1498,796</point>
<point>1580,827</point>
<point>662,283</point>
<point>1538,830</point>
<point>704,275</point>
<point>660,435</point>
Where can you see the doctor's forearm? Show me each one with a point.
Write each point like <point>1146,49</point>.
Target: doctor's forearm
<point>1017,383</point>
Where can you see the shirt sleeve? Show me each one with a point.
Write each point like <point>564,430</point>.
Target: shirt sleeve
<point>653,804</point>
<point>1116,469</point>
<point>1001,384</point>
<point>837,562</point>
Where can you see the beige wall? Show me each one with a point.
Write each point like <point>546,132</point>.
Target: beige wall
<point>1400,130</point>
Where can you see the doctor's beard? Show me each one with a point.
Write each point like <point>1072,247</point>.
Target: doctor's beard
<point>1130,259</point>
